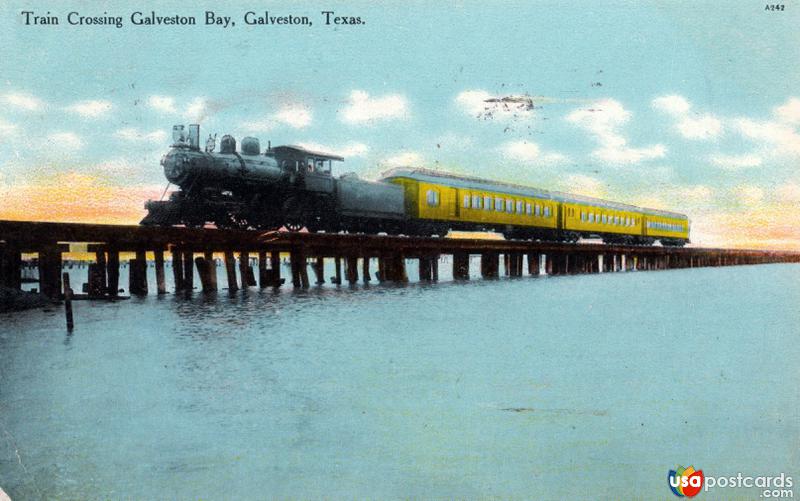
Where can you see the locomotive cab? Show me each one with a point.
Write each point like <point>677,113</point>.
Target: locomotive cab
<point>309,170</point>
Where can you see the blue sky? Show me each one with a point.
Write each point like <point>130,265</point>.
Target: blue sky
<point>679,105</point>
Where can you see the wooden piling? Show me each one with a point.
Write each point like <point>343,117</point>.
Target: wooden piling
<point>245,270</point>
<point>365,273</point>
<point>138,274</point>
<point>275,268</point>
<point>112,272</point>
<point>515,264</point>
<point>490,264</point>
<point>230,271</point>
<point>177,269</point>
<point>10,267</point>
<point>425,274</point>
<point>435,268</point>
<point>202,272</point>
<point>161,284</point>
<point>68,303</point>
<point>318,266</point>
<point>398,269</point>
<point>212,270</point>
<point>134,278</point>
<point>352,269</point>
<point>460,266</point>
<point>96,287</point>
<point>101,281</point>
<point>188,271</point>
<point>299,267</point>
<point>337,264</point>
<point>263,273</point>
<point>50,272</point>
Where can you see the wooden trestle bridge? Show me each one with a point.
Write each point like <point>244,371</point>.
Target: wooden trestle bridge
<point>191,248</point>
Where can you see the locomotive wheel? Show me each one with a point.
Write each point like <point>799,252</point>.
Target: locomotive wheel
<point>293,215</point>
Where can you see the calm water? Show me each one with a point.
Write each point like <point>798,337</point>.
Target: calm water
<point>544,388</point>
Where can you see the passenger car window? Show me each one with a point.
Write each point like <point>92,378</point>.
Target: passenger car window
<point>466,201</point>
<point>498,204</point>
<point>433,198</point>
<point>476,201</point>
<point>528,209</point>
<point>487,203</point>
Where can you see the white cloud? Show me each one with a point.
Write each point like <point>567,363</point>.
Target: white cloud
<point>65,141</point>
<point>404,159</point>
<point>296,116</point>
<point>789,112</point>
<point>735,161</point>
<point>90,109</point>
<point>627,155</point>
<point>196,110</point>
<point>254,126</point>
<point>529,152</point>
<point>748,195</point>
<point>775,136</point>
<point>136,135</point>
<point>581,184</point>
<point>672,104</point>
<point>703,127</point>
<point>361,108</point>
<point>164,104</point>
<point>23,101</point>
<point>481,104</point>
<point>7,127</point>
<point>604,119</point>
<point>473,102</point>
<point>694,126</point>
<point>348,150</point>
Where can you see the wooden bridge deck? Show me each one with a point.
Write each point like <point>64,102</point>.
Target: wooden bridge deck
<point>194,247</point>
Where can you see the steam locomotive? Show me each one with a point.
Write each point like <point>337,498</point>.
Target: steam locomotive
<point>293,187</point>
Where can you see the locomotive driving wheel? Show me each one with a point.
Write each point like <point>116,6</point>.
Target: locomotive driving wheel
<point>293,217</point>
<point>293,226</point>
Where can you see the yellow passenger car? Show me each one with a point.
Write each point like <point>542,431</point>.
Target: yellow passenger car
<point>445,201</point>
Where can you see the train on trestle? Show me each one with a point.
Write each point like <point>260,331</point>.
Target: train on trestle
<point>294,188</point>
